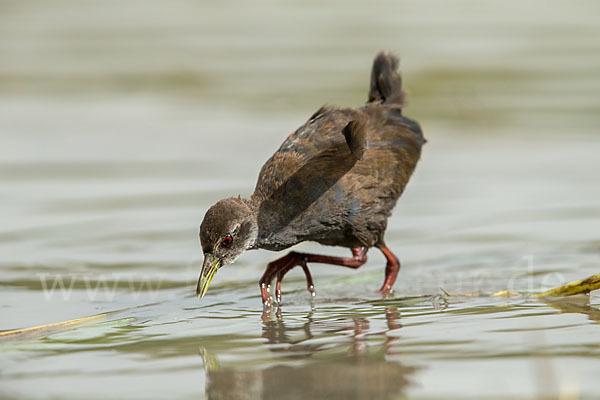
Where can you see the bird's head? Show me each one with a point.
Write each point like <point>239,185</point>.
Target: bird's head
<point>229,228</point>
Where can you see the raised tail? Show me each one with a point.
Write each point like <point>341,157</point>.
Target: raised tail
<point>386,83</point>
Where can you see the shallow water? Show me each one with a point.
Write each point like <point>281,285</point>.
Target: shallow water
<point>121,123</point>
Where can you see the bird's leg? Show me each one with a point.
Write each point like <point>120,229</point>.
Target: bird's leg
<point>391,270</point>
<point>272,268</point>
<point>359,257</point>
<point>309,282</point>
<point>281,266</point>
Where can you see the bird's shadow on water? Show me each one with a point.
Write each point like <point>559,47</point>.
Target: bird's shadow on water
<point>310,367</point>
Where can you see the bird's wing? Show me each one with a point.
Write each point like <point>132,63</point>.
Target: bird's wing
<point>327,142</point>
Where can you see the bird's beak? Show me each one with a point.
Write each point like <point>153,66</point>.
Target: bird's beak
<point>209,269</point>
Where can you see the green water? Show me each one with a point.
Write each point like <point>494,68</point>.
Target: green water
<point>122,122</point>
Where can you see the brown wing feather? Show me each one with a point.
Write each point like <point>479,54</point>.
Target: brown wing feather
<point>336,179</point>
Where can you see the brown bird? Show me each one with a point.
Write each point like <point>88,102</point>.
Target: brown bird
<point>334,181</point>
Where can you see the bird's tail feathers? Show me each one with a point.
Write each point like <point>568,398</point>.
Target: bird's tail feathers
<point>386,82</point>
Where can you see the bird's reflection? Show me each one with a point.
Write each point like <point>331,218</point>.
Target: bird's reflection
<point>313,363</point>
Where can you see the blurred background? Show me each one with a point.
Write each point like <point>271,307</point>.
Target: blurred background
<point>122,122</point>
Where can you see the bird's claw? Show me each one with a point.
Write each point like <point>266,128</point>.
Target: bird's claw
<point>279,273</point>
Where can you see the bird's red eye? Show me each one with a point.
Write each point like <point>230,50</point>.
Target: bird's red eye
<point>227,240</point>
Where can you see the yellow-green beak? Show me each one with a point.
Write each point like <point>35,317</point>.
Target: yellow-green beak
<point>209,269</point>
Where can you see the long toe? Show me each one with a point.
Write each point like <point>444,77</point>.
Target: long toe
<point>265,292</point>
<point>278,290</point>
<point>310,286</point>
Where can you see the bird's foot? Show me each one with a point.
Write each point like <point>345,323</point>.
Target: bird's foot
<point>310,286</point>
<point>386,289</point>
<point>392,268</point>
<point>278,269</point>
<point>271,314</point>
<point>265,292</point>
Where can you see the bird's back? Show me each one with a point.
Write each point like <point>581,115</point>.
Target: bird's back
<point>336,179</point>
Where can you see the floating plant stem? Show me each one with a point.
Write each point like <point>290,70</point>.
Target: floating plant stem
<point>577,287</point>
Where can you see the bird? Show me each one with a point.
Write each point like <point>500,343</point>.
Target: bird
<point>334,181</point>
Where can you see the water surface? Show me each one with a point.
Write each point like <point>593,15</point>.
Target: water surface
<point>121,123</point>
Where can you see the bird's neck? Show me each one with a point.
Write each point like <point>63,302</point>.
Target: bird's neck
<point>253,207</point>
<point>270,232</point>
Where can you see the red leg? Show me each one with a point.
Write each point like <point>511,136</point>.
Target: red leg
<point>391,270</point>
<point>281,266</point>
